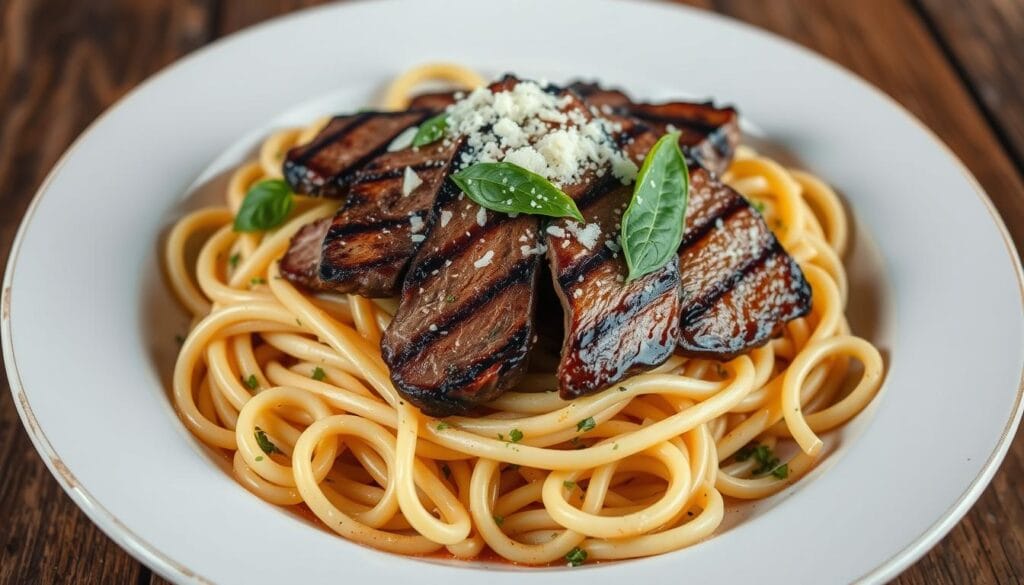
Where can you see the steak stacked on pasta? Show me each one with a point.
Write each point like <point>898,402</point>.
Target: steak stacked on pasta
<point>678,388</point>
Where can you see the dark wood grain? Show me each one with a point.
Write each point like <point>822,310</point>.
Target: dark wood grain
<point>985,41</point>
<point>955,64</point>
<point>61,64</point>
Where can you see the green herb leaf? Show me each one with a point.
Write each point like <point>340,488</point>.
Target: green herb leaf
<point>266,445</point>
<point>510,188</point>
<point>258,280</point>
<point>652,226</point>
<point>259,458</point>
<point>759,206</point>
<point>782,471</point>
<point>431,131</point>
<point>233,260</point>
<point>515,435</point>
<point>569,484</point>
<point>319,374</point>
<point>585,425</point>
<point>576,557</point>
<point>449,299</point>
<point>266,206</point>
<point>499,520</point>
<point>442,426</point>
<point>251,382</point>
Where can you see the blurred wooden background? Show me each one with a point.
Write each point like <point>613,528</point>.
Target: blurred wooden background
<point>956,64</point>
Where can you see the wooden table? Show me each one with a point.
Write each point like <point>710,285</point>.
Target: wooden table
<point>956,64</point>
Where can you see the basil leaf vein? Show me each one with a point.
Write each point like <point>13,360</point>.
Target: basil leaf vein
<point>652,227</point>
<point>510,188</point>
<point>431,130</point>
<point>266,206</point>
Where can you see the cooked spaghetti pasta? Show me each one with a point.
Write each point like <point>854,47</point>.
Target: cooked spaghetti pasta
<point>291,385</point>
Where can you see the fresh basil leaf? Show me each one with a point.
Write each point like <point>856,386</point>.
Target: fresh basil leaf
<point>652,226</point>
<point>431,131</point>
<point>510,188</point>
<point>266,206</point>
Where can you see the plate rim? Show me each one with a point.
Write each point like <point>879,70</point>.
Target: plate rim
<point>161,563</point>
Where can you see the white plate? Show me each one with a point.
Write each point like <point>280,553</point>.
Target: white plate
<point>88,341</point>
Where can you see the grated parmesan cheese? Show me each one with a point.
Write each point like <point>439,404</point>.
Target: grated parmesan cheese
<point>403,140</point>
<point>586,235</point>
<point>484,260</point>
<point>415,223</point>
<point>548,134</point>
<point>481,217</point>
<point>410,181</point>
<point>446,216</point>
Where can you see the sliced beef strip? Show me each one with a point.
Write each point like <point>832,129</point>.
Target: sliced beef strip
<point>325,165</point>
<point>301,263</point>
<point>434,102</point>
<point>375,235</point>
<point>464,326</point>
<point>708,135</point>
<point>739,286</point>
<point>613,328</point>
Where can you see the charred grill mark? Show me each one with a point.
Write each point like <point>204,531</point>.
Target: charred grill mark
<point>322,142</point>
<point>701,126</point>
<point>445,400</point>
<point>453,249</point>
<point>632,303</point>
<point>694,309</point>
<point>369,176</point>
<point>602,187</point>
<point>351,229</point>
<point>332,273</point>
<point>521,272</point>
<point>694,234</point>
<point>572,274</point>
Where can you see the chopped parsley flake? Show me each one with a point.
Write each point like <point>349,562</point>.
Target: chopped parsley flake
<point>442,426</point>
<point>499,520</point>
<point>515,435</point>
<point>766,460</point>
<point>319,374</point>
<point>569,484</point>
<point>759,206</point>
<point>180,339</point>
<point>233,260</point>
<point>577,443</point>
<point>258,280</point>
<point>259,458</point>
<point>576,557</point>
<point>585,425</point>
<point>449,299</point>
<point>251,382</point>
<point>623,388</point>
<point>266,445</point>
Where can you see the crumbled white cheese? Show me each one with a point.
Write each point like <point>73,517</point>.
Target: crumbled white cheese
<point>612,245</point>
<point>556,231</point>
<point>410,181</point>
<point>484,260</point>
<point>417,238</point>
<point>549,134</point>
<point>415,223</point>
<point>433,327</point>
<point>586,235</point>
<point>446,216</point>
<point>403,140</point>
<point>481,217</point>
<point>577,293</point>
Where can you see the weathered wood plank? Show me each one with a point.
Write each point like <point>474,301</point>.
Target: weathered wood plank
<point>985,41</point>
<point>61,64</point>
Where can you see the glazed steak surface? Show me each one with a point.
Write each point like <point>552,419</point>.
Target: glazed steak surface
<point>613,328</point>
<point>708,135</point>
<point>376,233</point>
<point>325,165</point>
<point>739,287</point>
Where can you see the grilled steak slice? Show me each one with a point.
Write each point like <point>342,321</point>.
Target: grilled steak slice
<point>464,326</point>
<point>301,263</point>
<point>434,102</point>
<point>739,285</point>
<point>613,328</point>
<point>325,165</point>
<point>707,135</point>
<point>374,236</point>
